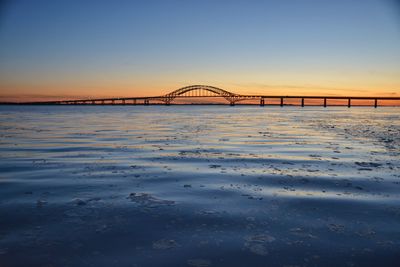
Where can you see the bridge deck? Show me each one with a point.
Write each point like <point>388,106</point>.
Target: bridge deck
<point>204,91</point>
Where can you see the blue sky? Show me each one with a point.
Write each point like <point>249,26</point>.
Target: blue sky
<point>135,47</point>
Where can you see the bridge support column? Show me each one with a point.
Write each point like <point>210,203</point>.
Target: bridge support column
<point>93,102</point>
<point>123,101</point>
<point>324,102</point>
<point>146,102</point>
<point>302,102</point>
<point>349,102</point>
<point>281,101</point>
<point>376,103</point>
<point>134,102</point>
<point>232,103</point>
<point>262,102</point>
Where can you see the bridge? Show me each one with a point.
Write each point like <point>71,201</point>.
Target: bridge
<point>200,91</point>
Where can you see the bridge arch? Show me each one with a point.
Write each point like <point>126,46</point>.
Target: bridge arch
<point>231,97</point>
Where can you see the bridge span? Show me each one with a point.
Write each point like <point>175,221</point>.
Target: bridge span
<point>200,91</point>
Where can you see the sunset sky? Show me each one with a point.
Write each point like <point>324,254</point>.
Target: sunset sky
<point>76,49</point>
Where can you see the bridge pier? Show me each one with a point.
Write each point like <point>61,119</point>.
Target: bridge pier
<point>146,102</point>
<point>324,102</point>
<point>349,102</point>
<point>262,102</point>
<point>281,101</point>
<point>376,103</point>
<point>302,102</point>
<point>232,103</point>
<point>123,101</point>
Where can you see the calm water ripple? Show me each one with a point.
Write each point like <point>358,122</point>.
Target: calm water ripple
<point>199,186</point>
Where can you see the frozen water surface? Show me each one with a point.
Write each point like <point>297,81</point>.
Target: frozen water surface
<point>199,186</point>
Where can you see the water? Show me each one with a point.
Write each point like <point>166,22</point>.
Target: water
<point>199,186</point>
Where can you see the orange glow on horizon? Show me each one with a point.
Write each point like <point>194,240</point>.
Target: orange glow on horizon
<point>20,90</point>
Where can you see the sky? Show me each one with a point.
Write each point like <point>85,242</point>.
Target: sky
<point>53,49</point>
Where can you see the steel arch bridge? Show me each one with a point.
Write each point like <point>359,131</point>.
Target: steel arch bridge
<point>201,91</point>
<point>196,91</point>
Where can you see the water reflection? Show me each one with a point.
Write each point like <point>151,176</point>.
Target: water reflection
<point>199,186</point>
